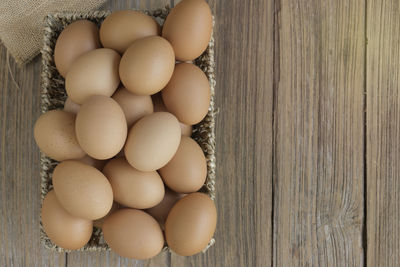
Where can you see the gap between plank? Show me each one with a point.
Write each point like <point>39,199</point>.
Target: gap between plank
<point>276,77</point>
<point>364,228</point>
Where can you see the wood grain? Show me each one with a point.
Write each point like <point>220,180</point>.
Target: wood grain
<point>293,151</point>
<point>244,73</point>
<point>383,133</point>
<point>318,158</point>
<point>19,168</point>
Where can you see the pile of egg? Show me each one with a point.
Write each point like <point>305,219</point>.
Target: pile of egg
<point>127,162</point>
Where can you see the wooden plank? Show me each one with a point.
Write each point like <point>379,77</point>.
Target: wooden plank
<point>383,133</point>
<point>19,168</point>
<point>244,95</point>
<point>100,259</point>
<point>318,170</point>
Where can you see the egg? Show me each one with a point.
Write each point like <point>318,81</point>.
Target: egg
<point>71,107</point>
<point>186,172</point>
<point>75,40</point>
<point>158,104</point>
<point>153,141</point>
<point>63,229</point>
<point>99,222</point>
<point>54,133</point>
<point>98,164</point>
<point>121,28</point>
<point>191,224</point>
<point>101,127</point>
<point>188,28</point>
<point>133,188</point>
<point>160,212</point>
<point>133,234</point>
<point>133,106</point>
<point>82,190</point>
<point>94,73</point>
<point>188,94</point>
<point>147,65</point>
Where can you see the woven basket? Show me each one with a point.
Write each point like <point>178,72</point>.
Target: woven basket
<point>53,96</point>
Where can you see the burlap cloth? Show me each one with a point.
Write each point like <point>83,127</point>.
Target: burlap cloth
<point>21,23</point>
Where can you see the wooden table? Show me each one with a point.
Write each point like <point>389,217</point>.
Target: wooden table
<point>308,140</point>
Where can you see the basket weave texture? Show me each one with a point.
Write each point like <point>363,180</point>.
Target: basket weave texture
<point>53,96</point>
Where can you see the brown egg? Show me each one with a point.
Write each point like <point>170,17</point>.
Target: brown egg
<point>191,224</point>
<point>63,229</point>
<point>188,94</point>
<point>188,28</point>
<point>133,188</point>
<point>94,73</point>
<point>153,141</point>
<point>134,106</point>
<point>75,40</point>
<point>82,190</point>
<point>99,222</point>
<point>186,172</point>
<point>133,234</point>
<point>54,134</point>
<point>160,212</point>
<point>71,107</point>
<point>98,164</point>
<point>121,28</point>
<point>147,65</point>
<point>101,127</point>
<point>159,107</point>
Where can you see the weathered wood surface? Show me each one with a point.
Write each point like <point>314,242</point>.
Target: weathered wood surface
<point>383,133</point>
<point>318,129</point>
<point>307,140</point>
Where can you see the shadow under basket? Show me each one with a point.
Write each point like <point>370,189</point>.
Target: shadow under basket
<point>53,96</point>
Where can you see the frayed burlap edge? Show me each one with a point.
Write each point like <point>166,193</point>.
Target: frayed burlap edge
<point>53,96</point>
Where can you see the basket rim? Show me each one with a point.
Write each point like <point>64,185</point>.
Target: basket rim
<point>47,79</point>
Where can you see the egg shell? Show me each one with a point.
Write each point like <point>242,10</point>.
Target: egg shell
<point>147,65</point>
<point>161,210</point>
<point>76,39</point>
<point>191,224</point>
<point>186,172</point>
<point>187,94</point>
<point>71,107</point>
<point>153,141</point>
<point>63,229</point>
<point>134,106</point>
<point>98,164</point>
<point>121,28</point>
<point>82,190</point>
<point>54,133</point>
<point>99,222</point>
<point>159,106</point>
<point>133,188</point>
<point>133,234</point>
<point>188,28</point>
<point>101,127</point>
<point>93,73</point>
